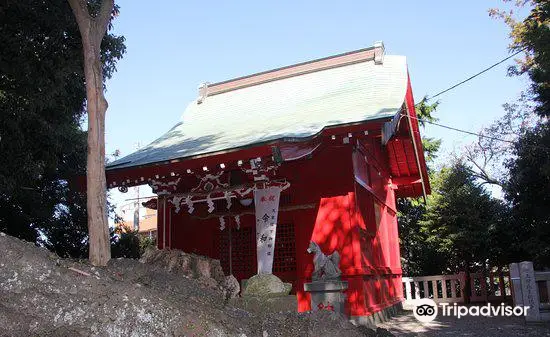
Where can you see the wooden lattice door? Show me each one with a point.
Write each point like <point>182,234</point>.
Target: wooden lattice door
<point>243,252</point>
<point>243,263</point>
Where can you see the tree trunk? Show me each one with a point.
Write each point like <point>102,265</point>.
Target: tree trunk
<point>98,227</point>
<point>92,30</point>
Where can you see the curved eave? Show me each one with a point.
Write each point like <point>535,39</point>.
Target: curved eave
<point>324,131</point>
<point>136,175</point>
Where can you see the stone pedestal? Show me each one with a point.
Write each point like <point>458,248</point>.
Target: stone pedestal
<point>515,280</point>
<point>327,295</point>
<point>530,291</point>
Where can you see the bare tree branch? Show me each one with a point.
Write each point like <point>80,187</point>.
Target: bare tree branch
<point>487,156</point>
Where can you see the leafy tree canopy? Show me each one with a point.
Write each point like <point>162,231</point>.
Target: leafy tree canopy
<point>460,227</point>
<point>424,113</point>
<point>532,35</point>
<point>527,185</point>
<point>528,190</point>
<point>461,219</point>
<point>42,97</point>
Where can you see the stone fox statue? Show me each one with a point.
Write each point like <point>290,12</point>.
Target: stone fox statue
<point>326,267</point>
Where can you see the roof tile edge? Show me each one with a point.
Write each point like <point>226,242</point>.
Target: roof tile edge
<point>375,53</point>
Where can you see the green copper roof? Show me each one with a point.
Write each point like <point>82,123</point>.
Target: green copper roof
<point>297,107</point>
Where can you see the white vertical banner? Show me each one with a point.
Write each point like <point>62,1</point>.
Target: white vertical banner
<point>266,202</point>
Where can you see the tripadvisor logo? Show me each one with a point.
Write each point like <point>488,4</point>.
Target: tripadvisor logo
<point>426,310</point>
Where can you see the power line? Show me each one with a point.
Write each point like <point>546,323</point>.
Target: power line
<point>460,130</point>
<point>475,75</point>
<point>471,132</point>
<point>476,134</point>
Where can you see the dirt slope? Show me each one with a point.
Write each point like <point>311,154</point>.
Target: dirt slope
<point>41,296</point>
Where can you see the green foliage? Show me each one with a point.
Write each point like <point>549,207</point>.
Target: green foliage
<point>528,190</point>
<point>42,98</point>
<point>527,186</point>
<point>146,242</point>
<point>431,147</point>
<point>462,222</point>
<point>418,256</point>
<point>424,113</point>
<point>130,244</point>
<point>532,35</point>
<point>67,234</point>
<point>127,245</point>
<point>461,227</point>
<point>461,218</point>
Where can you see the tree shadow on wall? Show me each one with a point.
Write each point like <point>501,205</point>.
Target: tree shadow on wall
<point>336,226</point>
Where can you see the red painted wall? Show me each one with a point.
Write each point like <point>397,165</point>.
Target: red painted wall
<point>341,216</point>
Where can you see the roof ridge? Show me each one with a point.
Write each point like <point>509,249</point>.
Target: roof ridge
<point>373,53</point>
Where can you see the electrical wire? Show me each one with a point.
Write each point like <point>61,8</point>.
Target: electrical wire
<point>471,132</point>
<point>460,130</point>
<point>476,134</point>
<point>474,76</point>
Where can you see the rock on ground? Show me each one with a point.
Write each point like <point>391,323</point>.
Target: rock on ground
<point>41,296</point>
<point>266,285</point>
<point>231,287</point>
<point>190,265</point>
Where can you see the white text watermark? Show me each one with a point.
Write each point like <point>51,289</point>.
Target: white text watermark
<point>426,310</point>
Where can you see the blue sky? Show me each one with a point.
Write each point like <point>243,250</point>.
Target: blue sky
<point>173,48</point>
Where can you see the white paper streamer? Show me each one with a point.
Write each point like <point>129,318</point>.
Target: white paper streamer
<point>227,195</point>
<point>222,223</point>
<point>176,201</point>
<point>238,221</point>
<point>189,204</point>
<point>210,203</point>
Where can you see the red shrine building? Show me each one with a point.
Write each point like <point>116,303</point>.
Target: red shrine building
<point>263,164</point>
